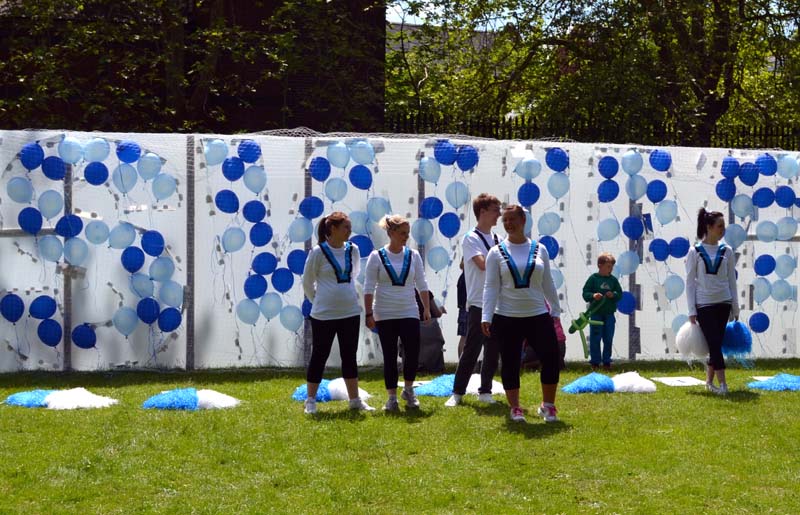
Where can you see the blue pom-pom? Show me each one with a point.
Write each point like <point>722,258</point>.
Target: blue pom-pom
<point>323,395</point>
<point>737,340</point>
<point>779,383</point>
<point>441,386</point>
<point>591,383</point>
<point>32,399</point>
<point>178,399</point>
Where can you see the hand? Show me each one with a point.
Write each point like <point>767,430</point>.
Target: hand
<point>370,322</point>
<point>485,328</point>
<point>597,296</point>
<point>426,317</point>
<point>610,294</point>
<point>693,319</point>
<point>443,310</point>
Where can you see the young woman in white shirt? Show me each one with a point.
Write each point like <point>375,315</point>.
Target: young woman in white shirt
<point>392,274</point>
<point>329,284</point>
<point>518,281</point>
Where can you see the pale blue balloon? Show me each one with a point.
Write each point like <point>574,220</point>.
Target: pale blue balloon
<point>766,231</point>
<point>632,163</point>
<point>627,263</point>
<point>781,290</point>
<point>735,235</point>
<point>636,187</point>
<point>121,236</point>
<point>528,221</point>
<point>270,305</point>
<point>785,265</point>
<point>358,222</point>
<point>421,230</point>
<point>338,154</point>
<point>162,268</point>
<point>787,228</point>
<point>788,167</point>
<point>438,258</point>
<point>300,229</point>
<point>164,185</point>
<point>377,208</point>
<point>429,169</point>
<point>607,229</point>
<point>124,177</point>
<point>96,232</point>
<point>762,289</point>
<point>50,203</point>
<point>666,211</point>
<point>125,320</point>
<point>50,248</point>
<point>558,184</point>
<point>457,194</point>
<point>141,285</point>
<point>673,286</point>
<point>233,239</point>
<point>362,272</point>
<point>291,318</point>
<point>96,149</point>
<point>678,322</point>
<point>149,165</point>
<point>549,223</point>
<point>171,294</point>
<point>362,152</point>
<point>336,189</point>
<point>70,150</point>
<point>216,151</point>
<point>529,168</point>
<point>742,205</point>
<point>255,178</point>
<point>75,251</point>
<point>558,277</point>
<point>20,190</point>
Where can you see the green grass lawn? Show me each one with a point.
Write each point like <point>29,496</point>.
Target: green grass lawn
<point>679,450</point>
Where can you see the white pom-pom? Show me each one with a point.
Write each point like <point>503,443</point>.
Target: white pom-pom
<point>691,342</point>
<point>77,398</point>
<point>338,390</point>
<point>632,382</point>
<point>211,399</point>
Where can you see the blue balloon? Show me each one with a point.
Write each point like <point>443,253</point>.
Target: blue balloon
<point>660,160</point>
<point>164,185</point>
<point>264,263</point>
<point>528,168</point>
<point>12,307</point>
<point>306,308</point>
<point>249,151</point>
<point>247,311</point>
<point>558,277</point>
<point>528,194</point>
<point>128,151</point>
<point>227,201</point>
<point>788,167</point>
<point>362,152</point>
<point>767,231</point>
<point>169,320</point>
<point>377,208</point>
<point>633,227</point>
<point>762,197</point>
<point>50,332</point>
<point>429,169</point>
<point>627,263</point>
<point>431,208</point>
<point>444,152</point>
<point>149,166</point>
<point>730,167</point>
<point>678,247</point>
<point>759,322</point>
<point>148,309</point>
<point>282,279</point>
<point>161,269</point>
<point>735,235</point>
<point>84,337</point>
<point>748,173</point>
<point>320,168</point>
<point>762,289</point>
<point>291,318</point>
<point>558,184</point>
<point>255,286</point>
<point>75,251</point>
<point>785,196</point>
<point>607,191</point>
<point>124,178</point>
<point>233,239</point>
<point>54,168</point>
<point>300,229</point>
<point>627,303</point>
<point>311,207</point>
<point>549,223</point>
<point>726,189</point>
<point>361,177</point>
<point>660,249</point>
<point>781,290</point>
<point>767,165</point>
<point>557,159</point>
<point>636,187</point>
<point>141,285</point>
<point>787,228</point>
<point>43,306</point>
<point>608,167</point>
<point>678,322</point>
<point>216,151</point>
<point>20,190</point>
<point>467,157</point>
<point>233,168</point>
<point>50,203</point>
<point>30,220</point>
<point>50,248</point>
<point>666,211</point>
<point>742,205</point>
<point>69,226</point>
<point>338,154</point>
<point>656,191</point>
<point>607,229</point>
<point>364,244</point>
<point>255,178</point>
<point>457,194</point>
<point>551,244</point>
<point>121,236</point>
<point>336,189</point>
<point>764,265</point>
<point>125,320</point>
<point>438,258</point>
<point>673,286</point>
<point>31,155</point>
<point>449,225</point>
<point>153,243</point>
<point>359,220</point>
<point>254,211</point>
<point>784,265</point>
<point>632,162</point>
<point>171,294</point>
<point>421,231</point>
<point>296,261</point>
<point>97,149</point>
<point>270,305</point>
<point>132,259</point>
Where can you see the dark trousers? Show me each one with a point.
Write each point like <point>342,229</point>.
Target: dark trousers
<point>322,334</point>
<point>407,330</point>
<point>473,344</point>
<point>712,320</point>
<point>539,332</point>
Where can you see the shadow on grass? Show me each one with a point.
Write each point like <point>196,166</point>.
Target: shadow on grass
<point>346,414</point>
<point>733,395</point>
<point>535,427</point>
<point>410,415</point>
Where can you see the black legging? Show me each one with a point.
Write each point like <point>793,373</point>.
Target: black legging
<point>539,331</point>
<point>407,329</point>
<point>322,334</point>
<point>712,320</point>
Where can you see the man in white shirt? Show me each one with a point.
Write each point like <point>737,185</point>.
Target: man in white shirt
<point>475,246</point>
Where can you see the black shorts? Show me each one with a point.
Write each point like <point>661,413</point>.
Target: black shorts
<point>463,316</point>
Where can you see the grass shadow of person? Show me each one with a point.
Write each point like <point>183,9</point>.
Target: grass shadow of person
<point>534,427</point>
<point>732,396</point>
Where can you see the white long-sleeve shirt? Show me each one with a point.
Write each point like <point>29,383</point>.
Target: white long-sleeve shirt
<point>475,244</point>
<point>331,299</point>
<point>389,301</point>
<point>500,296</point>
<point>703,288</point>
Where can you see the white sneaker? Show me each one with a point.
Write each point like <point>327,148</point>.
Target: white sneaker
<point>411,398</point>
<point>360,405</point>
<point>723,389</point>
<point>487,398</point>
<point>517,415</point>
<point>310,406</point>
<point>391,405</point>
<point>711,388</point>
<point>453,401</point>
<point>548,413</point>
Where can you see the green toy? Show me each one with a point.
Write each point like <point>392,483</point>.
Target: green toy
<point>583,320</point>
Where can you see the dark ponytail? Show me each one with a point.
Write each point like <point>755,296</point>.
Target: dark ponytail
<point>704,219</point>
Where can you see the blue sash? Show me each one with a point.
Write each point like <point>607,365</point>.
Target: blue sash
<point>712,267</point>
<point>523,281</point>
<point>396,280</point>
<point>342,276</point>
<point>486,243</point>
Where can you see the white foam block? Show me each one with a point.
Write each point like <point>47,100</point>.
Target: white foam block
<point>679,381</point>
